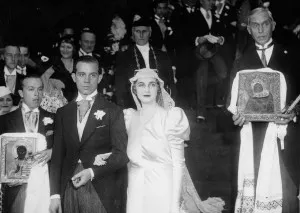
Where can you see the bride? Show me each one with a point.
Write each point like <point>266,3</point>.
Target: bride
<point>158,180</point>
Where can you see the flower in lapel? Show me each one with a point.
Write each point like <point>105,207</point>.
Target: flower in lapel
<point>99,114</point>
<point>47,121</point>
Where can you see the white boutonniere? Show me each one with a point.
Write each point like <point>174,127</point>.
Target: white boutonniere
<point>285,52</point>
<point>47,121</point>
<point>227,7</point>
<point>99,114</point>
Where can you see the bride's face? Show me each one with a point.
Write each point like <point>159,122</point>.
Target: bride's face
<point>146,90</point>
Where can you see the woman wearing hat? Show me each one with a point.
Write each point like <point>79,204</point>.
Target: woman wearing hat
<point>6,101</point>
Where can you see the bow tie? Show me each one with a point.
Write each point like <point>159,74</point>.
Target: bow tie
<point>84,53</point>
<point>21,70</point>
<point>267,47</point>
<point>162,19</point>
<point>190,9</point>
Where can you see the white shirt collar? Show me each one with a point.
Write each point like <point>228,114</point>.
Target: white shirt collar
<point>265,45</point>
<point>144,47</point>
<point>25,108</point>
<point>157,17</point>
<point>84,53</point>
<point>88,98</point>
<point>6,72</point>
<point>221,9</point>
<point>205,11</point>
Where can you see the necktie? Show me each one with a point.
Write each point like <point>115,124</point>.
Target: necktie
<point>21,70</point>
<point>190,9</point>
<point>207,15</point>
<point>10,82</point>
<point>263,55</point>
<point>31,121</point>
<point>83,108</point>
<point>263,58</point>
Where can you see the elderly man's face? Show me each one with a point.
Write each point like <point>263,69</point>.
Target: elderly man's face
<point>141,35</point>
<point>261,27</point>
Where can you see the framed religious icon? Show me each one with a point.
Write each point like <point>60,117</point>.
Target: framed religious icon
<point>259,95</point>
<point>16,157</point>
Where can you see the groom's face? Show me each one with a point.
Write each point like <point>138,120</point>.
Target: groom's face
<point>87,77</point>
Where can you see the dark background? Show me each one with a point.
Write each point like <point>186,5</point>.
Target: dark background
<point>39,21</point>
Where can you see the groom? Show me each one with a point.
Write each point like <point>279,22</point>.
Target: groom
<point>86,127</point>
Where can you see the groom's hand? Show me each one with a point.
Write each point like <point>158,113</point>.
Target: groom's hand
<point>81,178</point>
<point>55,206</point>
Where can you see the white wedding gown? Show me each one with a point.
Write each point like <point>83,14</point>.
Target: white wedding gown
<point>158,180</point>
<point>156,153</point>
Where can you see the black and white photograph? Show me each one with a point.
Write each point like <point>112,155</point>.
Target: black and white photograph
<point>150,106</point>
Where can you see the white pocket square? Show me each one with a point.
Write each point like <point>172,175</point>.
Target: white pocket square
<point>100,126</point>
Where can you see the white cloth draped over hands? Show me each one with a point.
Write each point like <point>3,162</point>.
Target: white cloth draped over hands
<point>269,184</point>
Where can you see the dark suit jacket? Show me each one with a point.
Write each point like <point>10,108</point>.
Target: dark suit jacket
<point>126,65</point>
<point>13,122</point>
<point>16,97</point>
<point>99,136</point>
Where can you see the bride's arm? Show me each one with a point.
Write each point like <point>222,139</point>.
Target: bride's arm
<point>178,130</point>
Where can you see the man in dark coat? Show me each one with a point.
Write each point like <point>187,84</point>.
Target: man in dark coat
<point>85,128</point>
<point>9,74</point>
<point>140,55</point>
<point>18,122</point>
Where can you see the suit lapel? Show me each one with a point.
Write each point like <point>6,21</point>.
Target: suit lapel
<point>18,84</point>
<point>92,121</point>
<point>2,78</point>
<point>152,62</point>
<point>17,121</point>
<point>71,122</point>
<point>139,57</point>
<point>41,126</point>
<point>273,63</point>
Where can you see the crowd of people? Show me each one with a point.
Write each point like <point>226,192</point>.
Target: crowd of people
<point>114,138</point>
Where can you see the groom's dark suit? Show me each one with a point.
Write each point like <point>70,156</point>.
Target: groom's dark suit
<point>106,134</point>
<point>13,122</point>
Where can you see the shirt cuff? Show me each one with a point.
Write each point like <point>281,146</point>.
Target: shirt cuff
<point>92,173</point>
<point>56,196</point>
<point>196,41</point>
<point>222,40</point>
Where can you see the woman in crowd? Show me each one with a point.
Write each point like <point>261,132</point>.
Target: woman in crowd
<point>6,101</point>
<point>158,180</point>
<point>59,87</point>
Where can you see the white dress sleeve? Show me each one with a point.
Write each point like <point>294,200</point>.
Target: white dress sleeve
<point>177,131</point>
